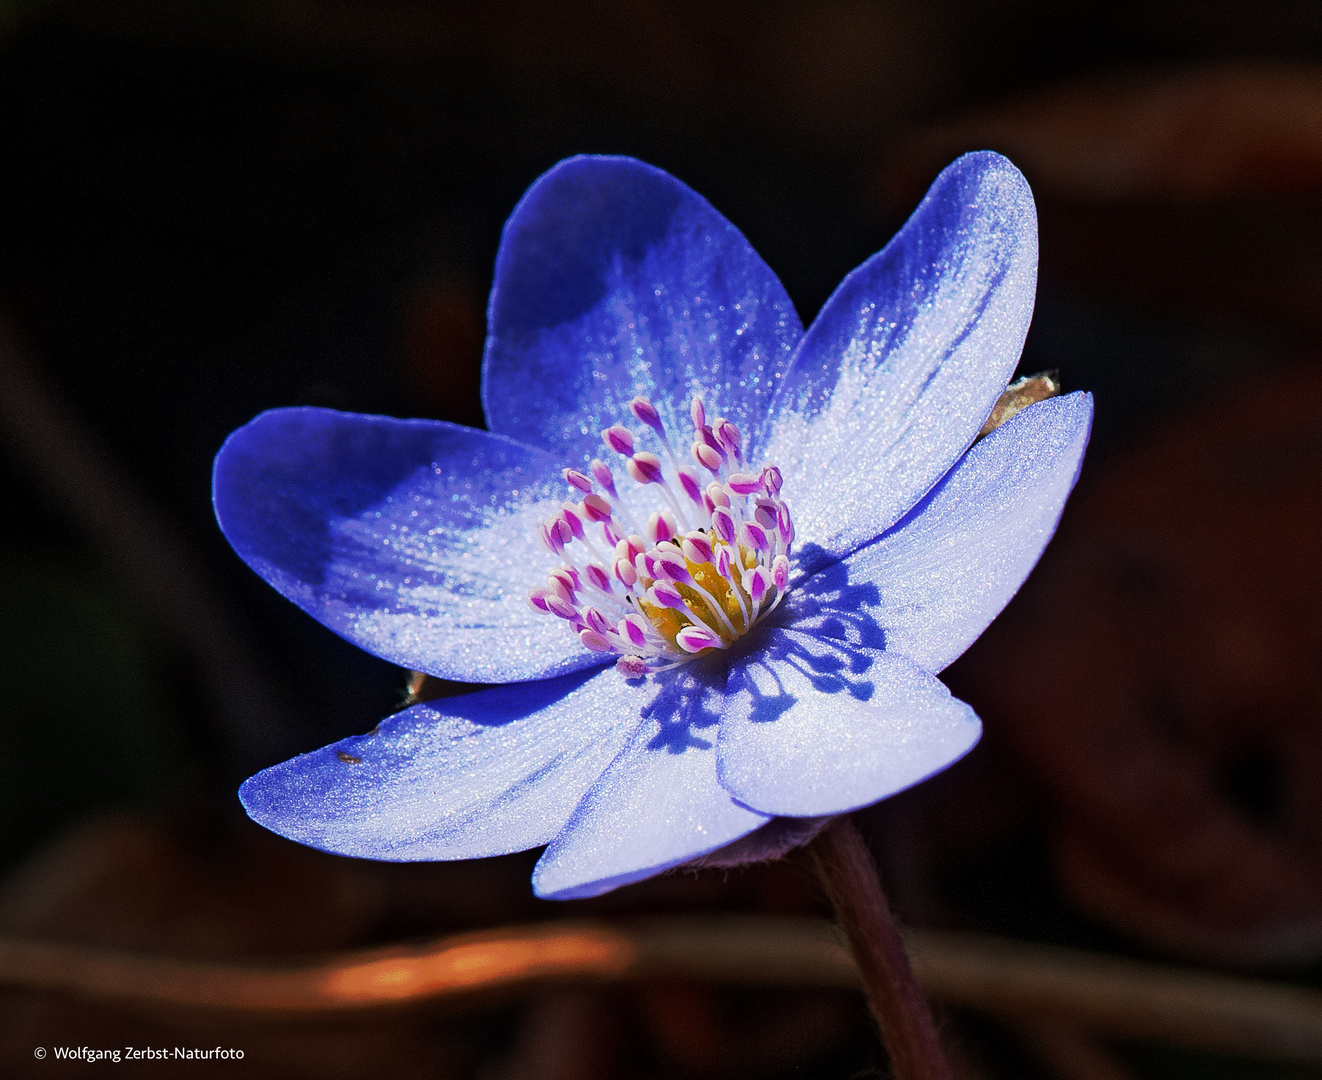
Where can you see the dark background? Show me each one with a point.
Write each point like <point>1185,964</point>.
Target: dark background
<point>208,209</point>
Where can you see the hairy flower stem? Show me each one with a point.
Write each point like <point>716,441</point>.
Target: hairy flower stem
<point>849,876</point>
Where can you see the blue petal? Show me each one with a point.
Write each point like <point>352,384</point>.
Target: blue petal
<point>899,371</point>
<point>614,279</point>
<point>659,804</point>
<point>814,726</point>
<point>487,773</point>
<point>929,587</point>
<point>415,539</point>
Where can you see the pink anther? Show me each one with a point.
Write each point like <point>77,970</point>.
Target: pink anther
<point>642,566</point>
<point>670,565</point>
<point>751,534</point>
<point>537,598</point>
<point>660,528</point>
<point>577,479</point>
<point>780,572</point>
<point>708,458</point>
<point>560,582</point>
<point>646,413</point>
<point>631,667</point>
<point>772,479</point>
<point>756,582</point>
<point>716,492</point>
<point>563,531</point>
<point>698,413</point>
<point>561,608</point>
<point>569,515</point>
<point>765,513</point>
<point>619,439</point>
<point>594,641</point>
<point>728,435</point>
<point>664,594</point>
<point>723,561</point>
<point>602,475</point>
<point>693,639</point>
<point>742,483</point>
<point>551,537</point>
<point>690,484</point>
<point>784,525</point>
<point>696,547</point>
<point>596,508</point>
<point>634,630</point>
<point>596,575</point>
<point>625,571</point>
<point>596,621</point>
<point>644,467</point>
<point>722,523</point>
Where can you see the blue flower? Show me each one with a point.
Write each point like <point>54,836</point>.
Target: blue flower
<point>714,561</point>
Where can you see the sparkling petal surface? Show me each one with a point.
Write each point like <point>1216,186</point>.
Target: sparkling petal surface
<point>614,279</point>
<point>897,374</point>
<point>415,539</point>
<point>659,804</point>
<point>486,773</point>
<point>814,726</point>
<point>930,586</point>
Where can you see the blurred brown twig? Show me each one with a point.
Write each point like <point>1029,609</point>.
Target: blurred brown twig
<point>1019,982</point>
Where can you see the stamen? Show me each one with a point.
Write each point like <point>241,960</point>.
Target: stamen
<point>603,476</point>
<point>569,516</point>
<point>693,639</point>
<point>644,467</point>
<point>728,435</point>
<point>631,627</point>
<point>578,480</point>
<point>708,457</point>
<point>595,641</point>
<point>710,561</point>
<point>723,523</point>
<point>619,439</point>
<point>696,547</point>
<point>646,412</point>
<point>631,667</point>
<point>660,528</point>
<point>751,534</point>
<point>755,584</point>
<point>764,513</point>
<point>689,483</point>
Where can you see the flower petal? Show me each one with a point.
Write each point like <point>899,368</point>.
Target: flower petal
<point>930,586</point>
<point>814,726</point>
<point>415,539</point>
<point>486,773</point>
<point>614,279</point>
<point>659,803</point>
<point>897,374</point>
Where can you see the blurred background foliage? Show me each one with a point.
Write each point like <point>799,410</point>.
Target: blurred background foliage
<point>215,207</point>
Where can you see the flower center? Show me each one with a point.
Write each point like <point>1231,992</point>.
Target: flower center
<point>693,575</point>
